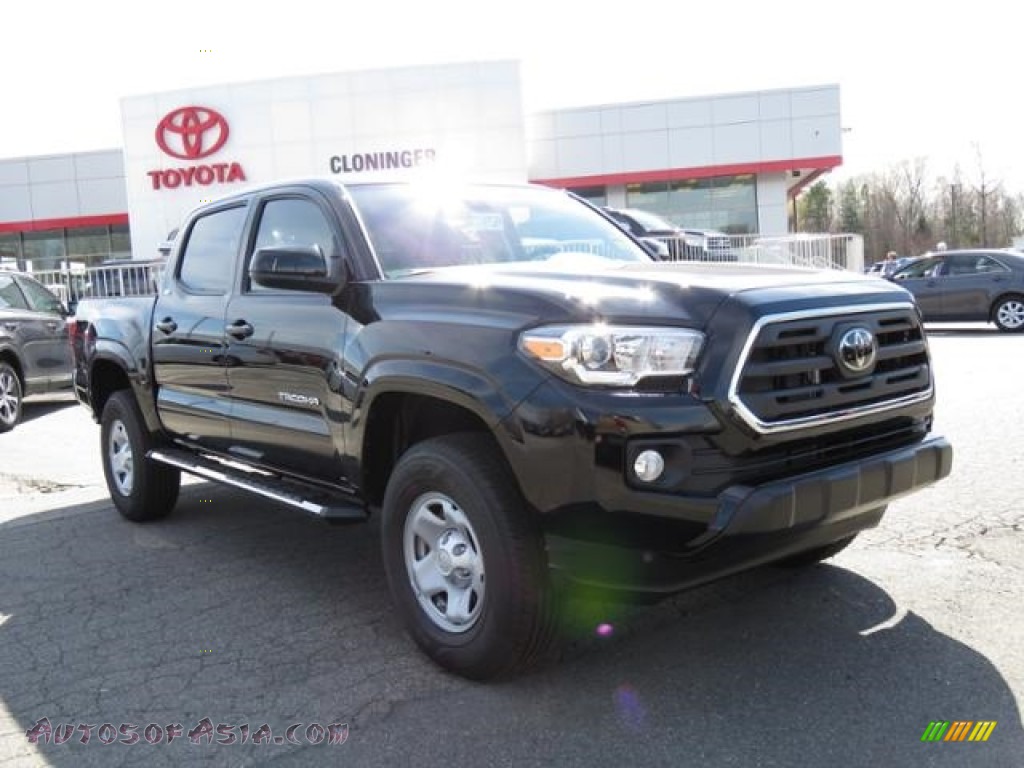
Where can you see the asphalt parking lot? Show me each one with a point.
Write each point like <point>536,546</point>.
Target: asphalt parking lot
<point>241,612</point>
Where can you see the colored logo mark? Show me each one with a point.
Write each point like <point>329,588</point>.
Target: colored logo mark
<point>191,133</point>
<point>958,730</point>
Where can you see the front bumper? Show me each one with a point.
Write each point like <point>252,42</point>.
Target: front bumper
<point>750,526</point>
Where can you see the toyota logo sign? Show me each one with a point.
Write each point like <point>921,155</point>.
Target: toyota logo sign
<point>190,133</point>
<point>857,351</point>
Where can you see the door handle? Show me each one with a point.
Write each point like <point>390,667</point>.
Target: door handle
<point>167,325</point>
<point>53,325</point>
<point>240,330</point>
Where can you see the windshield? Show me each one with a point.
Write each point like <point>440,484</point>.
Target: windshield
<point>414,228</point>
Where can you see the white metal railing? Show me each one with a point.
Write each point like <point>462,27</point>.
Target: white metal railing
<point>78,282</point>
<point>804,250</point>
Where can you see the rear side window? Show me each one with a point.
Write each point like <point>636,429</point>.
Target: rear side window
<point>209,258</point>
<point>10,294</point>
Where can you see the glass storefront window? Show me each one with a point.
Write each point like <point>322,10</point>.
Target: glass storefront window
<point>594,195</point>
<point>53,249</point>
<point>88,245</point>
<point>726,203</point>
<point>120,242</point>
<point>44,249</point>
<point>10,250</point>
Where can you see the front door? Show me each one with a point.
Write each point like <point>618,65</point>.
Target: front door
<point>922,278</point>
<point>283,352</point>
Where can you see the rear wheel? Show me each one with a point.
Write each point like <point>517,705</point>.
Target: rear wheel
<point>1008,314</point>
<point>10,398</point>
<point>816,555</point>
<point>140,488</point>
<point>465,559</point>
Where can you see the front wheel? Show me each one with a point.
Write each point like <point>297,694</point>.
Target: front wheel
<point>465,559</point>
<point>1008,314</point>
<point>140,488</point>
<point>10,398</point>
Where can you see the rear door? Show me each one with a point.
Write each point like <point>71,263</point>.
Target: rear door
<point>283,349</point>
<point>972,283</point>
<point>188,336</point>
<point>51,353</point>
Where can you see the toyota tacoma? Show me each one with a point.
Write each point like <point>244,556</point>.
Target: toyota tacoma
<point>528,401</point>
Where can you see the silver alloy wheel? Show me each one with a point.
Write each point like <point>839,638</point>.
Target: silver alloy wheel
<point>119,454</point>
<point>9,399</point>
<point>444,562</point>
<point>1011,314</point>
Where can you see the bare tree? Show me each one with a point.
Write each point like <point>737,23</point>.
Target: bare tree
<point>985,189</point>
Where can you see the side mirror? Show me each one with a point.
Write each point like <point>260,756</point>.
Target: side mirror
<point>292,268</point>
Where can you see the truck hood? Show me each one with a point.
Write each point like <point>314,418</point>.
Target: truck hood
<point>678,292</point>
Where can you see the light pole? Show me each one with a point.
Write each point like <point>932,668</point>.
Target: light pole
<point>954,189</point>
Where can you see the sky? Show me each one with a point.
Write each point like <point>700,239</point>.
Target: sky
<point>914,82</point>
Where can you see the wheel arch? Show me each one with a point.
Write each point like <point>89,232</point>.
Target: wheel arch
<point>398,419</point>
<point>10,356</point>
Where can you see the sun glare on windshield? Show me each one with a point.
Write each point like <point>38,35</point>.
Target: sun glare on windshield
<point>433,225</point>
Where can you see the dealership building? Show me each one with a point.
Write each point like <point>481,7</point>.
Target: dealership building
<point>733,162</point>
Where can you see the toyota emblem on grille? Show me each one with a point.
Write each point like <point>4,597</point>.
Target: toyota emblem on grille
<point>857,351</point>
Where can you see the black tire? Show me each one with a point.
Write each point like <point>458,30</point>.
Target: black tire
<point>141,489</point>
<point>513,619</point>
<point>815,556</point>
<point>1008,314</point>
<point>10,398</point>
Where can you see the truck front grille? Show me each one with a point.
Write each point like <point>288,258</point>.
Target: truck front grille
<point>798,369</point>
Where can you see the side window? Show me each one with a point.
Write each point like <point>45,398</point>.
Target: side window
<point>39,298</point>
<point>923,268</point>
<point>209,258</point>
<point>988,265</point>
<point>961,264</point>
<point>10,295</point>
<point>294,221</point>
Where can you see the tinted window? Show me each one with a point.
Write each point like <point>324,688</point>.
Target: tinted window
<point>209,257</point>
<point>988,264</point>
<point>294,221</point>
<point>922,268</point>
<point>39,298</point>
<point>10,295</point>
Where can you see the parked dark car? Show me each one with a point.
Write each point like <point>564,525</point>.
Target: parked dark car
<point>35,354</point>
<point>682,242</point>
<point>968,285</point>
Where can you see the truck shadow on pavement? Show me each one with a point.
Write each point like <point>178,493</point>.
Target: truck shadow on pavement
<point>241,612</point>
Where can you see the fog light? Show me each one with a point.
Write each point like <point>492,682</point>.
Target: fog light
<point>648,466</point>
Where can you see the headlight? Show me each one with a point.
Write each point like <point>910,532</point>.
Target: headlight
<point>696,241</point>
<point>613,355</point>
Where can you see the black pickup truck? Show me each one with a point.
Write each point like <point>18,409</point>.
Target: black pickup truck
<point>528,400</point>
